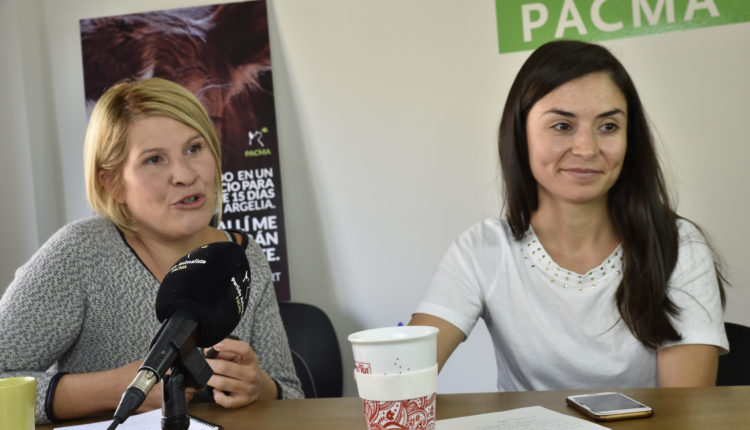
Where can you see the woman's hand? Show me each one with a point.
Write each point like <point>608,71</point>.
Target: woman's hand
<point>238,379</point>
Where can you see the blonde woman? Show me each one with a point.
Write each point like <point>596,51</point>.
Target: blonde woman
<point>80,313</point>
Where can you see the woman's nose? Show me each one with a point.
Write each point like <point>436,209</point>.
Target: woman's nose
<point>585,144</point>
<point>182,172</point>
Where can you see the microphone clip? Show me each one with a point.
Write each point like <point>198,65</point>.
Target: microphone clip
<point>177,335</point>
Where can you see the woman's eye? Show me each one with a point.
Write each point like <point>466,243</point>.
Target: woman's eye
<point>153,160</point>
<point>610,127</point>
<point>562,126</point>
<point>194,149</point>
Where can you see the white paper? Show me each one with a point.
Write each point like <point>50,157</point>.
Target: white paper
<point>145,421</point>
<point>531,418</point>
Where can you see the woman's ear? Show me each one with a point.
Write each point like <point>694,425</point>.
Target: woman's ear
<point>108,181</point>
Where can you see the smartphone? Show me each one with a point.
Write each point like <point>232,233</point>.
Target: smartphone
<point>609,406</point>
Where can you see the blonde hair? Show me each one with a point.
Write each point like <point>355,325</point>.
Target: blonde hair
<point>105,148</point>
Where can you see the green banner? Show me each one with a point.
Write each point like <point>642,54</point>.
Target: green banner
<point>526,24</point>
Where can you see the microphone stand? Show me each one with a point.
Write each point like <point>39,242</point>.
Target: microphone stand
<point>174,348</point>
<point>189,369</point>
<point>174,402</point>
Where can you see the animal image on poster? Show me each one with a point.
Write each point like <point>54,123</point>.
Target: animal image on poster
<point>221,53</point>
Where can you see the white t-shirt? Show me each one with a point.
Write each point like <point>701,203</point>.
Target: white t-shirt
<point>555,329</point>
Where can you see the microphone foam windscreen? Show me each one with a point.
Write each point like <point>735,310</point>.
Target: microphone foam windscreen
<point>212,283</point>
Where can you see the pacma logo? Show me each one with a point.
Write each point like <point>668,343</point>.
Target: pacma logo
<point>255,138</point>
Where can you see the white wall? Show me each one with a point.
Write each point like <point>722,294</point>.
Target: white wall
<point>387,115</point>
<point>17,214</point>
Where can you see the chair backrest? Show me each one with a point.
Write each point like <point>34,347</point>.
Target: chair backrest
<point>734,368</point>
<point>315,349</point>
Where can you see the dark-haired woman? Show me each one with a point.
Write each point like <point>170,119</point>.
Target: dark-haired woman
<point>591,280</point>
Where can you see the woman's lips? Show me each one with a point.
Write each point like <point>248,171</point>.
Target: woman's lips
<point>582,173</point>
<point>192,201</point>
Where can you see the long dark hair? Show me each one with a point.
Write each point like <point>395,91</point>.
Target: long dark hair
<point>638,203</point>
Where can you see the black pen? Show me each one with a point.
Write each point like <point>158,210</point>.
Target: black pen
<point>212,353</point>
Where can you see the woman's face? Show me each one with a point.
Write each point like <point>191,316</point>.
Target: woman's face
<point>167,178</point>
<point>577,137</point>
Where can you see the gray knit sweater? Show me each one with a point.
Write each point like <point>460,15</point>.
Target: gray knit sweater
<point>84,302</point>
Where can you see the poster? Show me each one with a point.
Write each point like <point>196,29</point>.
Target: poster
<point>222,54</point>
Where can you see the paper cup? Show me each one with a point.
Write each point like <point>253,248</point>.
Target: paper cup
<point>17,403</point>
<point>396,373</point>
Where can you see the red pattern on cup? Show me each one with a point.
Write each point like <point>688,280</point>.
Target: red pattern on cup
<point>412,414</point>
<point>363,367</point>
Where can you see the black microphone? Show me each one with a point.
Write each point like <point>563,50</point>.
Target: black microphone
<point>200,301</point>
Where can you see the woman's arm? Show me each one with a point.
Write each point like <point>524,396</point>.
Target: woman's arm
<point>84,394</point>
<point>40,318</point>
<point>449,336</point>
<point>264,351</point>
<point>687,365</point>
<point>51,322</point>
<point>694,289</point>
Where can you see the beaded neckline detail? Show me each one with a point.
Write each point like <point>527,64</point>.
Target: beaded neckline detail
<point>535,257</point>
